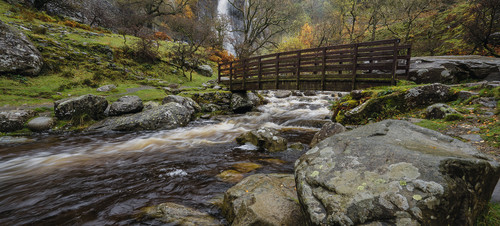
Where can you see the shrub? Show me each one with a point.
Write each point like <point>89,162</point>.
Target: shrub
<point>146,49</point>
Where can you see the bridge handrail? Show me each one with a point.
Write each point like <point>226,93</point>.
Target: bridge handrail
<point>383,55</point>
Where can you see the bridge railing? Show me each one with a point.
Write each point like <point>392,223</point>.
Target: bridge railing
<point>339,68</point>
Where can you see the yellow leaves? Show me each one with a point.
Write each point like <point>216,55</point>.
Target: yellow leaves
<point>306,35</point>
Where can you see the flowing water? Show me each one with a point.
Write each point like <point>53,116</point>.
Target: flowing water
<point>99,179</point>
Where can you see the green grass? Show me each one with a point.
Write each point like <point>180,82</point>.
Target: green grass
<point>78,62</point>
<point>492,217</point>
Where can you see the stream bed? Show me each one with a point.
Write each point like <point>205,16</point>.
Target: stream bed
<point>106,178</point>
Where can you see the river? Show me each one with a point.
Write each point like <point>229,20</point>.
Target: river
<point>102,179</point>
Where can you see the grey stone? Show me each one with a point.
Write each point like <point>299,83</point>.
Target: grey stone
<point>427,95</point>
<point>392,172</point>
<point>464,95</point>
<point>17,53</point>
<point>265,139</point>
<point>187,102</point>
<point>150,105</point>
<point>488,102</point>
<point>282,93</point>
<point>439,111</point>
<point>263,200</point>
<point>309,93</point>
<point>175,214</point>
<point>205,70</point>
<point>167,116</point>
<point>40,124</point>
<point>472,137</point>
<point>91,105</point>
<point>451,69</point>
<point>126,105</point>
<point>244,102</point>
<point>14,120</point>
<point>329,129</point>
<point>106,88</point>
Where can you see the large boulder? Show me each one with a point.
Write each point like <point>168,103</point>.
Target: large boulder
<point>384,105</point>
<point>187,102</point>
<point>205,70</point>
<point>282,93</point>
<point>451,69</point>
<point>91,105</point>
<point>439,111</point>
<point>14,120</point>
<point>244,102</point>
<point>17,53</point>
<point>329,129</point>
<point>394,172</point>
<point>265,139</point>
<point>263,200</point>
<point>175,214</point>
<point>40,124</point>
<point>126,105</point>
<point>167,116</point>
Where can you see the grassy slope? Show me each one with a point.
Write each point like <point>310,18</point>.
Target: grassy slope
<point>79,59</point>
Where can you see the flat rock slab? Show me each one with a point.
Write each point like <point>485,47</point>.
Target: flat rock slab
<point>394,172</point>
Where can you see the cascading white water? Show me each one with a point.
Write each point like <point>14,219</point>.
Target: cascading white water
<point>223,13</point>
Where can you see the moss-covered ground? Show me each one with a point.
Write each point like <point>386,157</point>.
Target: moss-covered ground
<point>78,59</point>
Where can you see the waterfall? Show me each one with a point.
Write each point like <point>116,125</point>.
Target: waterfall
<point>223,12</point>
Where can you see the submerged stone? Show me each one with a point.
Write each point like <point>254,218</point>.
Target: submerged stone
<point>175,214</point>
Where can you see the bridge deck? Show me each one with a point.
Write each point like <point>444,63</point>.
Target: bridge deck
<point>334,68</point>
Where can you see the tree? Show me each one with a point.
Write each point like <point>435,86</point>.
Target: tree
<point>152,9</point>
<point>482,20</point>
<point>263,21</point>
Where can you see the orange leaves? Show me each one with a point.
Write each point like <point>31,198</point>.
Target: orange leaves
<point>306,35</point>
<point>162,36</point>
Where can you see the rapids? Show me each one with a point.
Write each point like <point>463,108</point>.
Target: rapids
<point>98,179</point>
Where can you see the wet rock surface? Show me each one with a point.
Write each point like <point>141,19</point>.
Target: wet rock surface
<point>91,105</point>
<point>266,139</point>
<point>175,214</point>
<point>244,102</point>
<point>329,129</point>
<point>17,53</point>
<point>263,200</point>
<point>394,172</point>
<point>167,116</point>
<point>187,102</point>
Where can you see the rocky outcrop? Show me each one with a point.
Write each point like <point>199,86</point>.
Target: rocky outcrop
<point>394,172</point>
<point>91,105</point>
<point>40,124</point>
<point>126,105</point>
<point>205,70</point>
<point>14,120</point>
<point>175,214</point>
<point>385,105</point>
<point>17,53</point>
<point>329,129</point>
<point>187,102</point>
<point>439,111</point>
<point>263,200</point>
<point>451,69</point>
<point>214,101</point>
<point>265,139</point>
<point>168,116</point>
<point>244,102</point>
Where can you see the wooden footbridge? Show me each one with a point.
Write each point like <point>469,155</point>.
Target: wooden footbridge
<point>333,68</point>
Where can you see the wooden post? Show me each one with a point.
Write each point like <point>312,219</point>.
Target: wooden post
<point>245,74</point>
<point>355,65</point>
<point>323,71</point>
<point>298,71</point>
<point>340,62</point>
<point>260,73</point>
<point>394,63</point>
<point>408,56</point>
<point>231,76</point>
<point>218,80</point>
<point>277,70</point>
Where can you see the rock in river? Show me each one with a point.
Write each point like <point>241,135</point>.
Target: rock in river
<point>244,102</point>
<point>394,172</point>
<point>168,116</point>
<point>265,139</point>
<point>14,120</point>
<point>263,200</point>
<point>175,214</point>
